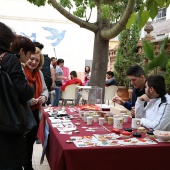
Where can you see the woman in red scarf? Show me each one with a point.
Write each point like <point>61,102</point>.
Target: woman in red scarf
<point>36,79</point>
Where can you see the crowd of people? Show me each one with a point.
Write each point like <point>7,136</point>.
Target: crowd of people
<point>34,76</point>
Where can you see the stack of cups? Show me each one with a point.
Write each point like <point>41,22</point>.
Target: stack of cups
<point>110,120</point>
<point>135,123</point>
<point>86,114</point>
<point>89,120</point>
<point>118,123</point>
<point>125,118</point>
<point>95,118</point>
<point>101,121</point>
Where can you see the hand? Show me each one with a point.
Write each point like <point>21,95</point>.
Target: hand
<point>41,99</point>
<point>33,101</point>
<point>118,100</point>
<point>144,97</point>
<point>133,111</point>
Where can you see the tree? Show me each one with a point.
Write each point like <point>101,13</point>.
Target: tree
<point>127,54</point>
<point>112,17</point>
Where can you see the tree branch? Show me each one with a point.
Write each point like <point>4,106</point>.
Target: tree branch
<point>84,24</point>
<point>119,26</point>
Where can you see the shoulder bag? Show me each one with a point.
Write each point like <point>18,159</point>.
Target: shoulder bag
<point>14,117</point>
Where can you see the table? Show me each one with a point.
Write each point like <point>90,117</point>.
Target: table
<point>64,156</point>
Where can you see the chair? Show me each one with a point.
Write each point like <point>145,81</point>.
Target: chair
<point>110,92</point>
<point>70,93</point>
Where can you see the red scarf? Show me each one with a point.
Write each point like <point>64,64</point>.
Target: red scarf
<point>34,79</point>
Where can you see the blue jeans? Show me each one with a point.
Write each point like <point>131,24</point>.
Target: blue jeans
<point>57,98</point>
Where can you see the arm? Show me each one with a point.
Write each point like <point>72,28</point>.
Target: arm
<point>139,109</point>
<point>118,100</point>
<point>57,74</point>
<point>44,95</point>
<point>161,119</point>
<point>52,74</point>
<point>127,105</point>
<point>12,66</point>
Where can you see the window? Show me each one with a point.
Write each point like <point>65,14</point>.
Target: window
<point>161,14</point>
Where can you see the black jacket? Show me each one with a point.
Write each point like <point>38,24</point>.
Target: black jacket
<point>13,147</point>
<point>135,94</point>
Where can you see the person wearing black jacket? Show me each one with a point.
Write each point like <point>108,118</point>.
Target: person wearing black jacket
<point>137,78</point>
<point>13,147</point>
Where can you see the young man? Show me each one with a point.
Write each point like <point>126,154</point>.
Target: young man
<point>156,114</point>
<point>53,62</point>
<point>74,80</point>
<point>110,79</point>
<point>137,78</point>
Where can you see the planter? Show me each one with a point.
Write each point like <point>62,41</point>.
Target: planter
<point>123,93</point>
<point>130,94</point>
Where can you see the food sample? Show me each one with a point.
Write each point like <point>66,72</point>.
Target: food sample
<point>125,134</point>
<point>117,131</point>
<point>150,134</point>
<point>129,129</point>
<point>137,134</point>
<point>141,130</point>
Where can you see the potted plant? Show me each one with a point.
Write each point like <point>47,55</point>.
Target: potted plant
<point>155,62</point>
<point>167,77</point>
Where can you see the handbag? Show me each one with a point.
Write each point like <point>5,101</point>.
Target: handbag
<point>58,83</point>
<point>15,118</point>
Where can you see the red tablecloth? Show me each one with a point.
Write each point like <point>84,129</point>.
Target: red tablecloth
<point>64,156</point>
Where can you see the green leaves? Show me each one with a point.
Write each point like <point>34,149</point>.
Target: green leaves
<point>105,11</point>
<point>160,3</point>
<point>153,9</point>
<point>148,10</point>
<point>80,12</point>
<point>155,61</point>
<point>131,20</point>
<point>143,18</point>
<point>148,50</point>
<point>38,2</point>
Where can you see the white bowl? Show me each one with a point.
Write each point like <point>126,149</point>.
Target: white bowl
<point>163,135</point>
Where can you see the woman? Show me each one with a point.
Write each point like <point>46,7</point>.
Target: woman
<point>58,81</point>
<point>24,47</point>
<point>36,79</point>
<point>87,75</point>
<point>13,147</point>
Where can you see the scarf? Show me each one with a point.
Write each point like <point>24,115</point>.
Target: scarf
<point>34,79</point>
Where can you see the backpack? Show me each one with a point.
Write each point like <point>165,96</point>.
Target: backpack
<point>47,71</point>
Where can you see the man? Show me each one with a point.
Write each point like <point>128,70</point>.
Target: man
<point>137,78</point>
<point>156,114</point>
<point>110,79</point>
<point>53,62</point>
<point>74,80</point>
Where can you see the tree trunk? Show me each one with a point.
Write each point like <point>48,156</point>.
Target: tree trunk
<point>100,61</point>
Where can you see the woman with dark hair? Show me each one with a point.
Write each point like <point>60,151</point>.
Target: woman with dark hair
<point>59,76</point>
<point>24,47</point>
<point>13,147</point>
<point>87,75</point>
